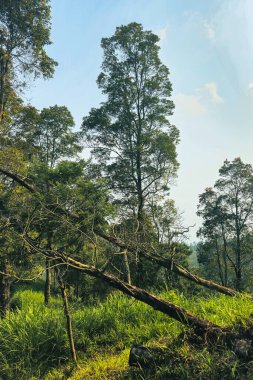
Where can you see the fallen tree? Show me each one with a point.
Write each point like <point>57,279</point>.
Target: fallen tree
<point>211,333</point>
<point>199,325</point>
<point>208,331</point>
<point>170,264</point>
<point>165,262</point>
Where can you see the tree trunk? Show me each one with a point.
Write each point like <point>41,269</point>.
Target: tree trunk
<point>2,75</point>
<point>127,268</point>
<point>4,91</point>
<point>47,287</point>
<point>140,240</point>
<point>5,289</point>
<point>219,262</point>
<point>238,271</point>
<point>238,265</point>
<point>225,257</point>
<point>68,317</point>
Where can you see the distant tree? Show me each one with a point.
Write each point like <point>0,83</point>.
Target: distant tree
<point>130,133</point>
<point>24,34</point>
<point>213,209</point>
<point>227,211</point>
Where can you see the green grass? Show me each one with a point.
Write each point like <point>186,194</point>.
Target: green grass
<point>33,339</point>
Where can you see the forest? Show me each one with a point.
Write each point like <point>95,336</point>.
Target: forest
<point>98,279</point>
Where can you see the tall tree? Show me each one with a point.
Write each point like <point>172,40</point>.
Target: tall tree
<point>24,34</point>
<point>130,133</point>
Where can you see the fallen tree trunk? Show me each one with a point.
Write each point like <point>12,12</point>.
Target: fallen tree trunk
<point>19,180</point>
<point>165,262</point>
<point>171,265</point>
<point>199,325</point>
<point>239,339</point>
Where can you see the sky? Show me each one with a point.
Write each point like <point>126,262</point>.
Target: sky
<point>208,49</point>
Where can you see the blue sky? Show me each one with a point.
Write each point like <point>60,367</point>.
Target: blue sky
<point>207,46</point>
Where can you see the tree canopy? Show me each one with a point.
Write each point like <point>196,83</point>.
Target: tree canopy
<point>130,133</point>
<point>24,34</point>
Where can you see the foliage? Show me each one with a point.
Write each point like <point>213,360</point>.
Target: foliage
<point>46,136</point>
<point>131,136</point>
<point>24,34</point>
<point>227,211</point>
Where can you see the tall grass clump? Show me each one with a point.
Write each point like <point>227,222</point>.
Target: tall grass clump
<point>32,338</point>
<point>121,321</point>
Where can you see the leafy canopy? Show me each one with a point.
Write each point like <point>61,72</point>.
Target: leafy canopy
<point>130,133</point>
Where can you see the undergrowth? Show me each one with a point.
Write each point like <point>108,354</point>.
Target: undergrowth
<point>33,339</point>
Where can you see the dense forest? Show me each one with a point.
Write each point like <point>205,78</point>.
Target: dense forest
<point>97,277</point>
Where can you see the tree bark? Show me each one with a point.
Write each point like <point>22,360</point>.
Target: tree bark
<point>47,287</point>
<point>19,180</point>
<point>219,262</point>
<point>238,271</point>
<point>225,254</point>
<point>127,268</point>
<point>238,285</point>
<point>5,289</point>
<point>68,317</point>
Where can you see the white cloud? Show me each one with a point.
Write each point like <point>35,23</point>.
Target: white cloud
<point>197,103</point>
<point>190,104</point>
<point>163,33</point>
<point>209,30</point>
<point>250,88</point>
<point>212,91</point>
